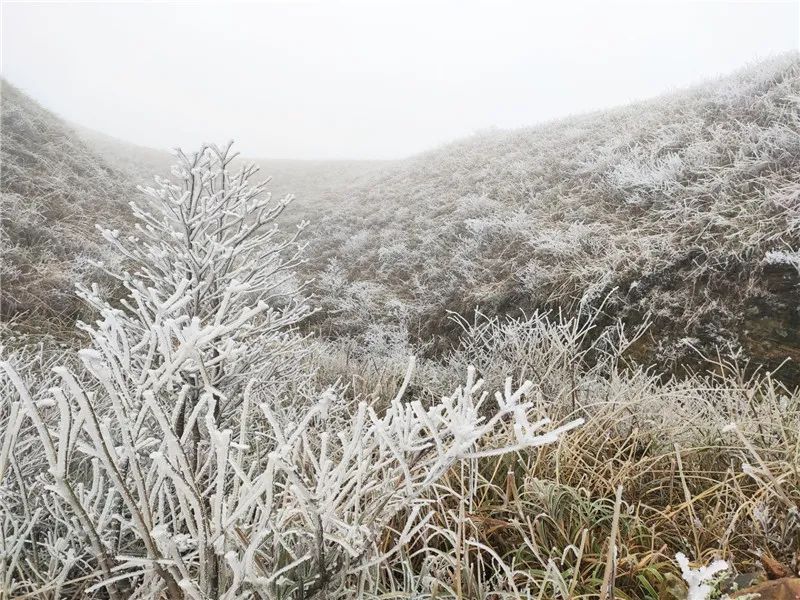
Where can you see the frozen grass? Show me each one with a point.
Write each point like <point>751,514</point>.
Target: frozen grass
<point>691,482</point>
<point>53,189</point>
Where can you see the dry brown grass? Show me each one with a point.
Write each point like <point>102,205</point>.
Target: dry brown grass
<point>691,483</point>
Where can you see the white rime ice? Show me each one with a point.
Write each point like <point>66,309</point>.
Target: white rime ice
<point>191,456</point>
<point>698,579</point>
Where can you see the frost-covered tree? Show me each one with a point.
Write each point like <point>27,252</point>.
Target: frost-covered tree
<point>208,250</point>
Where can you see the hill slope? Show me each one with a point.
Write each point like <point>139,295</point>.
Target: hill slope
<point>686,206</point>
<point>53,189</point>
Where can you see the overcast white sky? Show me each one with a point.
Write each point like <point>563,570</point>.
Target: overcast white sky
<point>381,79</point>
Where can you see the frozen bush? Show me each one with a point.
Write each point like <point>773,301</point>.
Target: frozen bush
<point>172,462</point>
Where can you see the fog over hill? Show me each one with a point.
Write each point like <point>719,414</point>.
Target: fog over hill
<point>313,183</point>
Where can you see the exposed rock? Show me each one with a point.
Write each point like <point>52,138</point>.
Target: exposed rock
<point>775,569</point>
<point>787,588</point>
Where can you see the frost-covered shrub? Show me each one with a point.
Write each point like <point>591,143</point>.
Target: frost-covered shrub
<point>171,461</point>
<point>553,351</point>
<point>701,580</point>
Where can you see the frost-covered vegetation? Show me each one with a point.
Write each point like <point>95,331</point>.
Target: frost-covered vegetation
<point>674,204</point>
<point>52,190</point>
<point>190,455</point>
<point>474,397</point>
